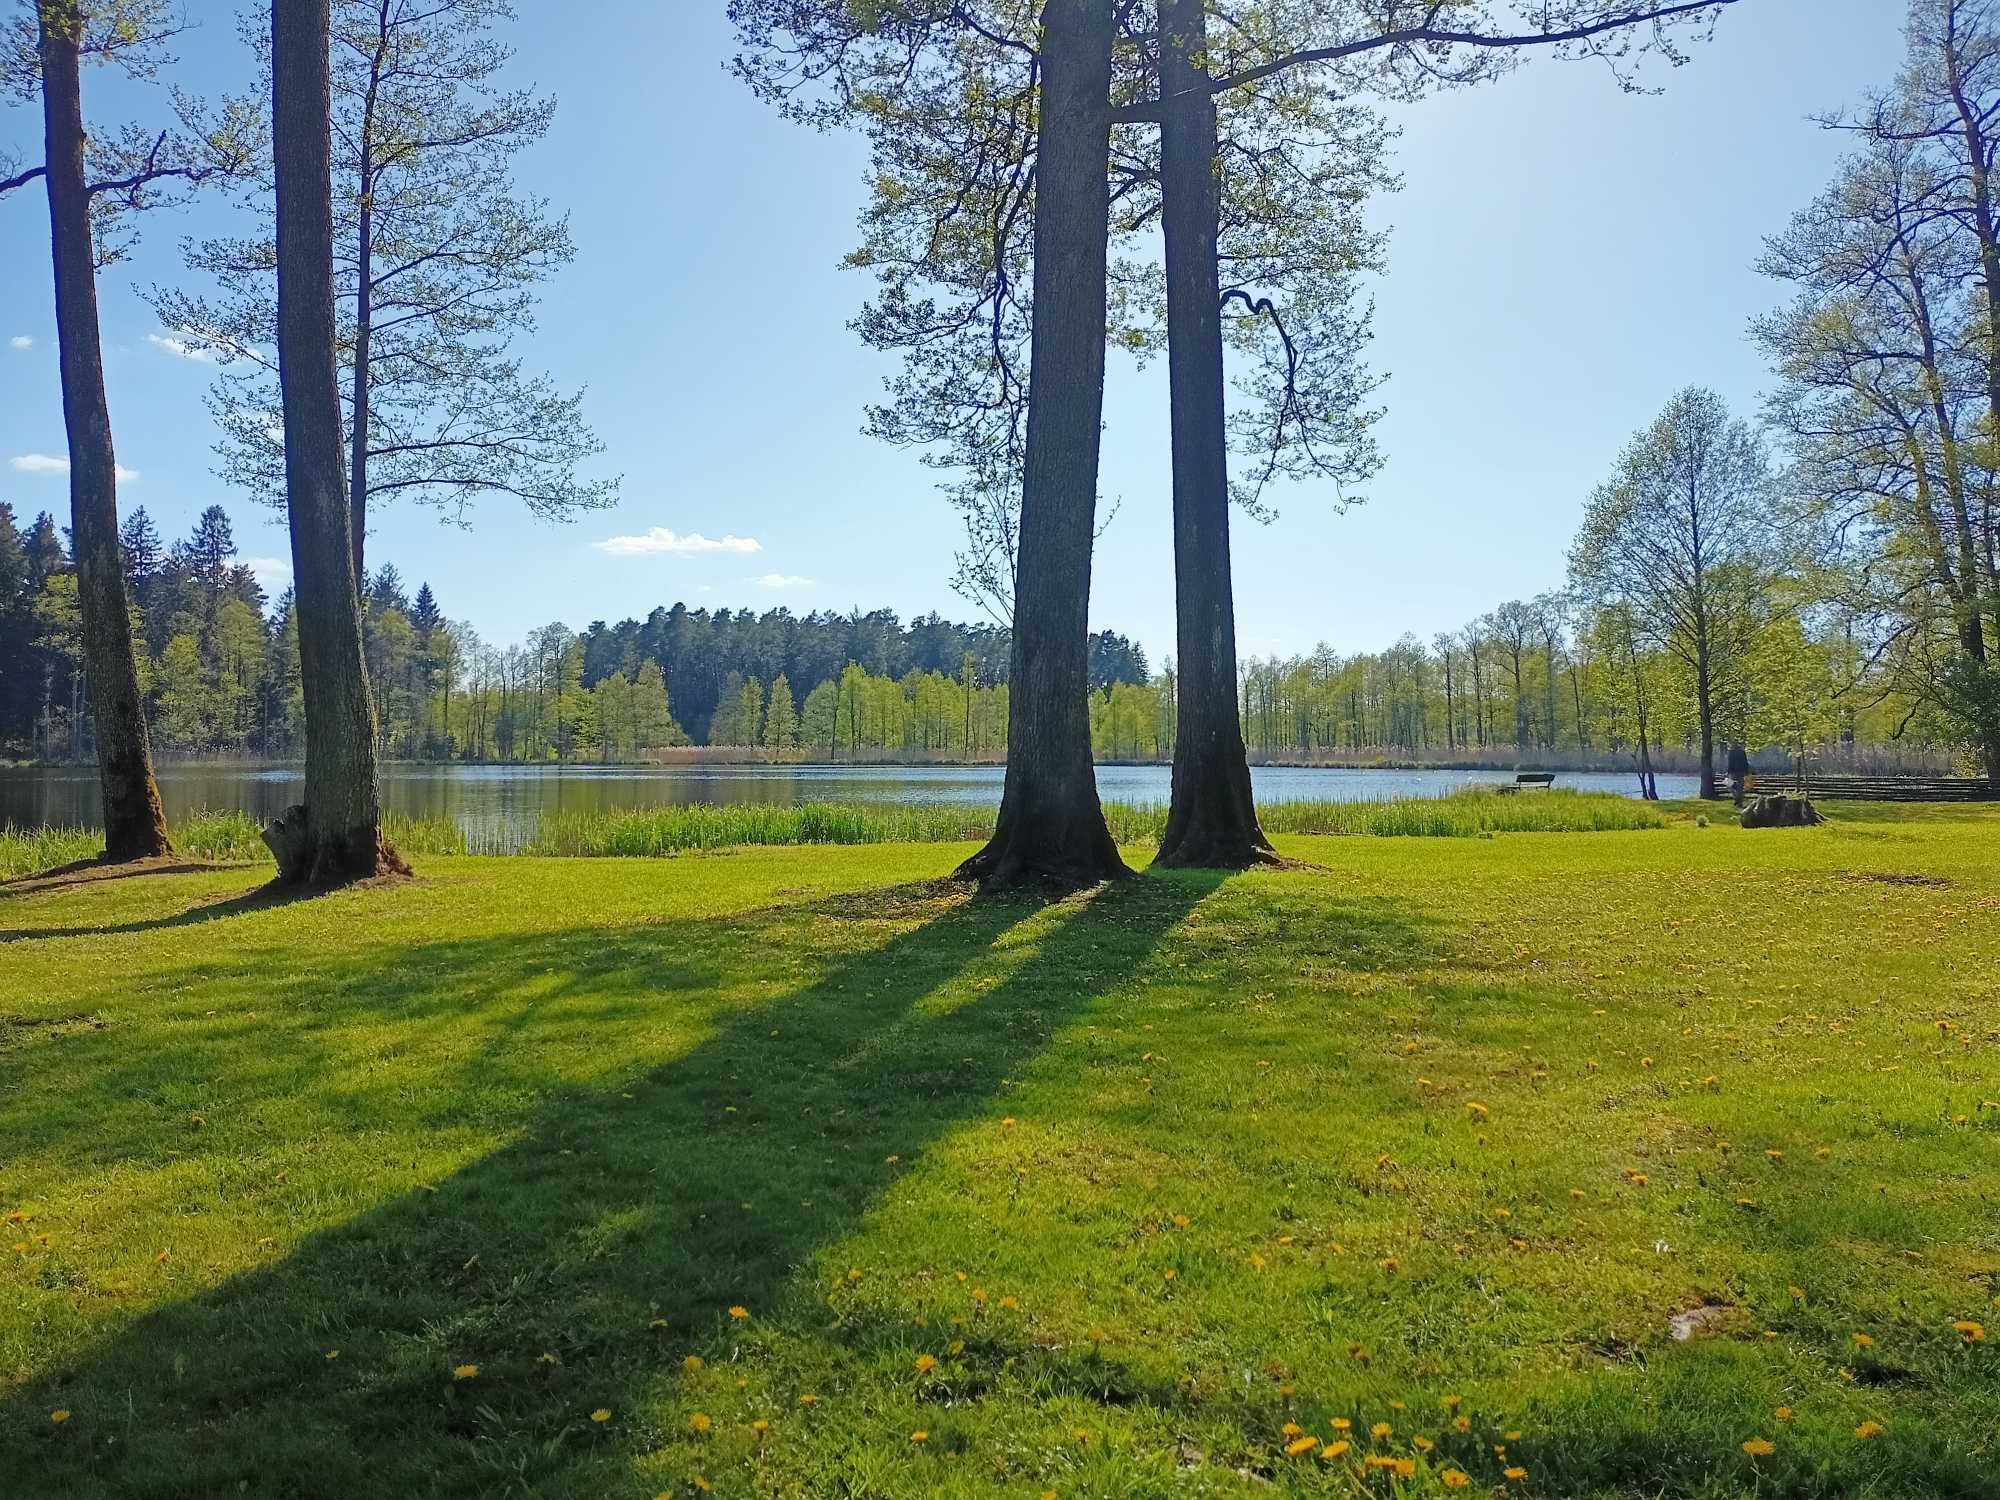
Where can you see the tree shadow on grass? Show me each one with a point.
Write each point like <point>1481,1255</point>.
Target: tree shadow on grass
<point>261,898</point>
<point>696,1186</point>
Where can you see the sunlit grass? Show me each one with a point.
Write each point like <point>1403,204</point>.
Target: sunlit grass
<point>218,838</point>
<point>678,829</point>
<point>1424,1120</point>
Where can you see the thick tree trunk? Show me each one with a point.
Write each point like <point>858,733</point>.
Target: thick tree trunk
<point>135,824</point>
<point>1051,831</point>
<point>1212,821</point>
<point>341,836</point>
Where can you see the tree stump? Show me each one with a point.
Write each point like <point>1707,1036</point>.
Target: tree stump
<point>290,843</point>
<point>1774,810</point>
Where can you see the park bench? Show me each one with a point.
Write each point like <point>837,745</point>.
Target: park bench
<point>1543,779</point>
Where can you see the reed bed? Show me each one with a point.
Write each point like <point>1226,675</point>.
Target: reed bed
<point>232,837</point>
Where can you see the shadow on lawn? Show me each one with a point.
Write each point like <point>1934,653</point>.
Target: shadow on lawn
<point>616,1200</point>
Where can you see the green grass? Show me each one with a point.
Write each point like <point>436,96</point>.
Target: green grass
<point>672,830</point>
<point>645,832</point>
<point>283,1169</point>
<point>221,838</point>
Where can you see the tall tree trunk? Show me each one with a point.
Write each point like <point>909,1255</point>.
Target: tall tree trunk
<point>1212,820</point>
<point>1705,710</point>
<point>357,479</point>
<point>135,824</point>
<point>1051,830</point>
<point>337,836</point>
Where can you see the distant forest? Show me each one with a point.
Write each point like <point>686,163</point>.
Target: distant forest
<point>219,667</point>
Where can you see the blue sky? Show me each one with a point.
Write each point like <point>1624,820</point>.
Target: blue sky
<point>1563,258</point>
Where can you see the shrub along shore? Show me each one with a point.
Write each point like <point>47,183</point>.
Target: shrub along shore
<point>232,837</point>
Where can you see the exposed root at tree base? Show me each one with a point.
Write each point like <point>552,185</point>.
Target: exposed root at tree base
<point>999,868</point>
<point>1216,853</point>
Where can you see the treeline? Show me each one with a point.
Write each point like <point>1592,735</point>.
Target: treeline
<point>219,670</point>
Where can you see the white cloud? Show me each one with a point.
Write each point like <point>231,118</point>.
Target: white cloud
<point>20,341</point>
<point>181,348</point>
<point>783,581</point>
<point>662,540</point>
<point>44,463</point>
<point>274,573</point>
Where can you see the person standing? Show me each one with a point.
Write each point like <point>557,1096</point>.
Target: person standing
<point>1739,770</point>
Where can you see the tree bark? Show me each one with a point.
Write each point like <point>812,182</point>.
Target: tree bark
<point>342,834</point>
<point>1705,710</point>
<point>135,824</point>
<point>1212,820</point>
<point>1051,830</point>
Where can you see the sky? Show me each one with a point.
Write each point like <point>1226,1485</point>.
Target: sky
<point>1563,257</point>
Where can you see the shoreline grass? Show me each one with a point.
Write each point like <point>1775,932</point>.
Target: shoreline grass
<point>232,837</point>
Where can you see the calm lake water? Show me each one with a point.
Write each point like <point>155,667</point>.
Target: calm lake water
<point>499,806</point>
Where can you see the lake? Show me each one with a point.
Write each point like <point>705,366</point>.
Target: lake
<point>500,806</point>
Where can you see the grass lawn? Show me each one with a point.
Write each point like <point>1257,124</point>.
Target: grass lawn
<point>790,1172</point>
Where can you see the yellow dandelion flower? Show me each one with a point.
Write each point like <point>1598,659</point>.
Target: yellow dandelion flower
<point>1422,1444</point>
<point>1096,1335</point>
<point>808,1399</point>
<point>760,1427</point>
<point>920,1436</point>
<point>699,1422</point>
<point>464,1372</point>
<point>547,1358</point>
<point>739,1313</point>
<point>1381,1430</point>
<point>1256,1262</point>
<point>1082,1436</point>
<point>1863,1341</point>
<point>1455,1479</point>
<point>657,1323</point>
<point>1461,1424</point>
<point>1512,1437</point>
<point>1503,1213</point>
<point>956,1347</point>
<point>692,1363</point>
<point>1645,1062</point>
<point>1291,1429</point>
<point>1335,1449</point>
<point>1867,1430</point>
<point>1011,1304</point>
<point>1760,1447</point>
<point>1452,1403</point>
<point>1782,1414</point>
<point>59,1415</point>
<point>1972,1332</point>
<point>1389,1263</point>
<point>1170,1274</point>
<point>1516,1473</point>
<point>601,1415</point>
<point>1299,1446</point>
<point>1474,1108</point>
<point>1798,1293</point>
<point>925,1364</point>
<point>1406,1468</point>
